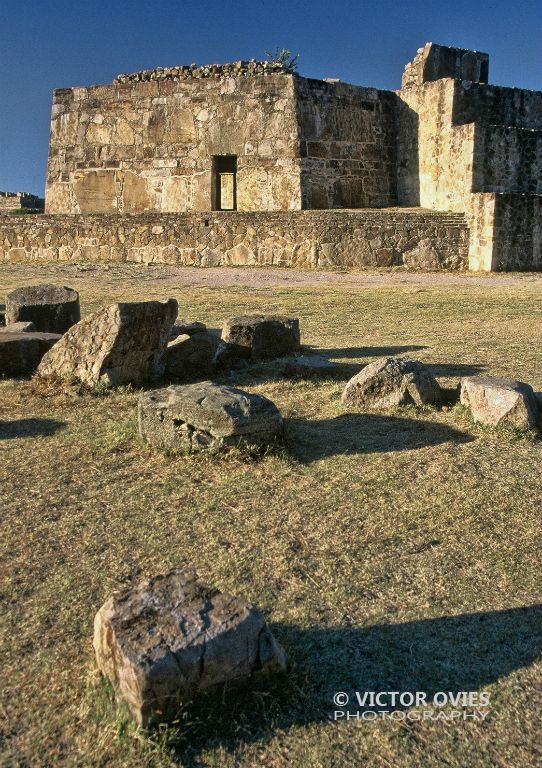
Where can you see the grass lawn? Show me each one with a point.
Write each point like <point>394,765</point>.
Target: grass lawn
<point>394,551</point>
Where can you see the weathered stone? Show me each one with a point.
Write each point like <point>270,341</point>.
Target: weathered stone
<point>389,382</point>
<point>187,328</point>
<point>311,365</point>
<point>262,337</point>
<point>120,344</point>
<point>20,353</point>
<point>52,308</point>
<point>170,638</point>
<point>191,358</point>
<point>495,401</point>
<point>206,417</point>
<point>18,328</point>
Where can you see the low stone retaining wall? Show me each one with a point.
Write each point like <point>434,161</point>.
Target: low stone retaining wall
<point>414,237</point>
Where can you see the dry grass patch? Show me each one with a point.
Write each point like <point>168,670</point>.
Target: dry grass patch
<point>395,551</point>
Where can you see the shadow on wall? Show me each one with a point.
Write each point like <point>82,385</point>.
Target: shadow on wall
<point>408,156</point>
<point>364,433</point>
<point>451,654</point>
<point>21,428</point>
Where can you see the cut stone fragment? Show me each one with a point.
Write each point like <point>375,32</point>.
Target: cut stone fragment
<point>52,308</point>
<point>261,337</point>
<point>170,638</point>
<point>120,344</point>
<point>311,365</point>
<point>18,328</point>
<point>20,353</point>
<point>191,358</point>
<point>389,382</point>
<point>187,328</point>
<point>206,417</point>
<point>496,401</point>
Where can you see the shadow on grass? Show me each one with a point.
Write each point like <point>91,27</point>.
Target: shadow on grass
<point>448,654</point>
<point>353,433</point>
<point>454,369</point>
<point>265,370</point>
<point>355,352</point>
<point>9,430</point>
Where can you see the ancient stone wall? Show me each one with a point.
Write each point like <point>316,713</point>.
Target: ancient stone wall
<point>435,62</point>
<point>517,232</point>
<point>507,159</point>
<point>470,147</point>
<point>497,105</point>
<point>447,141</point>
<point>435,157</point>
<point>303,239</point>
<point>12,201</point>
<point>148,145</point>
<point>147,141</point>
<point>347,145</point>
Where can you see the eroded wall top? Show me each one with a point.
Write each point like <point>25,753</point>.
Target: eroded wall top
<point>192,72</point>
<point>434,62</point>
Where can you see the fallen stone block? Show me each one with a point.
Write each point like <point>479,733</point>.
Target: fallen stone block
<point>52,308</point>
<point>206,417</point>
<point>170,638</point>
<point>18,328</point>
<point>191,358</point>
<point>389,382</point>
<point>262,337</point>
<point>310,366</point>
<point>21,353</point>
<point>187,328</point>
<point>495,401</point>
<point>120,344</point>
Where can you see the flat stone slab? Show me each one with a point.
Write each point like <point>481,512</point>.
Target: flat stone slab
<point>18,328</point>
<point>206,417</point>
<point>21,353</point>
<point>262,337</point>
<point>310,365</point>
<point>191,357</point>
<point>52,308</point>
<point>389,382</point>
<point>495,401</point>
<point>170,638</point>
<point>120,344</point>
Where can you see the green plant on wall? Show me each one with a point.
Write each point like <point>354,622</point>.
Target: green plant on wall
<point>283,56</point>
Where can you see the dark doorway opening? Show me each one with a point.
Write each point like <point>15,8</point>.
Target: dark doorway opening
<point>224,189</point>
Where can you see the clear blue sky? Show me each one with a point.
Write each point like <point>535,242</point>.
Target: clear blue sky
<point>46,44</point>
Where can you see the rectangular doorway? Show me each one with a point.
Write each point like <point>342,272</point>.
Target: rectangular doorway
<point>224,189</point>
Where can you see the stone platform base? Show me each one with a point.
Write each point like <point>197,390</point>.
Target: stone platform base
<point>411,237</point>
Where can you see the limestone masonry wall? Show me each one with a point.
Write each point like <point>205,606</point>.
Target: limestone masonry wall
<point>175,139</point>
<point>348,141</point>
<point>137,146</point>
<point>518,232</point>
<point>304,239</point>
<point>476,148</point>
<point>11,201</point>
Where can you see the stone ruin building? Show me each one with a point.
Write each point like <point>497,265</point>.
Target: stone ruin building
<point>250,163</point>
<point>16,201</point>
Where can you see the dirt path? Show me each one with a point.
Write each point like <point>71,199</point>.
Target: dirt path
<point>256,277</point>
